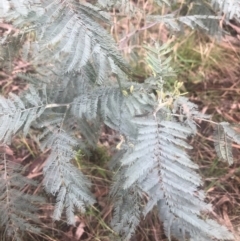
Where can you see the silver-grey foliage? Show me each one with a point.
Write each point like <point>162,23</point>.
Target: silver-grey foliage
<point>81,82</point>
<point>18,209</point>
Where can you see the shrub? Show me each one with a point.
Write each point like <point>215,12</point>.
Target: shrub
<point>79,79</point>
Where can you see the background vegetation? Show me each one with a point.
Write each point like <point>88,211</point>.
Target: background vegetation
<point>210,71</point>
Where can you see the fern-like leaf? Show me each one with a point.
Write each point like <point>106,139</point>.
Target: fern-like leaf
<point>223,145</point>
<point>230,8</point>
<point>18,113</point>
<point>127,213</point>
<point>61,177</point>
<point>159,167</point>
<point>73,36</point>
<point>175,23</point>
<point>113,106</point>
<point>18,209</point>
<point>224,135</point>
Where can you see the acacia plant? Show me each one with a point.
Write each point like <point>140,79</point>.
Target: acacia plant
<point>78,82</point>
